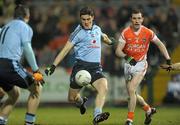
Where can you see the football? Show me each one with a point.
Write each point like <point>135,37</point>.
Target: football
<point>83,77</point>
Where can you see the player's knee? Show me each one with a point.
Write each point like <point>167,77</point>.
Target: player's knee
<point>36,91</point>
<point>131,90</point>
<point>103,90</point>
<point>14,94</point>
<point>102,87</point>
<point>35,94</point>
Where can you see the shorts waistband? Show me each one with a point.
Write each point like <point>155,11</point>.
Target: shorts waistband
<point>9,60</point>
<point>86,63</point>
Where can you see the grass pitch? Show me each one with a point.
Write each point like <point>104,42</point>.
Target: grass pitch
<point>71,116</point>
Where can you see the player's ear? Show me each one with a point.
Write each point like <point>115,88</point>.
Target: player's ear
<point>142,19</point>
<point>92,17</point>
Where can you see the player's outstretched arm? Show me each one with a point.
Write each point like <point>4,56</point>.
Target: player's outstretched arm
<point>29,54</point>
<point>50,70</point>
<point>163,50</point>
<point>108,40</point>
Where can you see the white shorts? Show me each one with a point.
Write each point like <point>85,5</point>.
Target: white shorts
<point>130,71</point>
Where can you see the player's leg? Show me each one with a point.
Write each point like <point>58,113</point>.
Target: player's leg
<point>131,89</point>
<point>2,93</point>
<point>9,104</point>
<point>101,86</point>
<point>75,97</point>
<point>74,90</point>
<point>8,76</point>
<point>33,103</point>
<point>149,111</point>
<point>17,76</point>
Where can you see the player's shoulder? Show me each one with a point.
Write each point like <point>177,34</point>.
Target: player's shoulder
<point>126,31</point>
<point>26,26</point>
<point>76,32</point>
<point>144,28</point>
<point>95,26</point>
<point>77,29</point>
<point>20,24</point>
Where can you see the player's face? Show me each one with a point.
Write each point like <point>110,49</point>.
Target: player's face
<point>136,20</point>
<point>87,21</point>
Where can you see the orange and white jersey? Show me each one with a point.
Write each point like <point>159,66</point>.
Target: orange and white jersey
<point>137,43</point>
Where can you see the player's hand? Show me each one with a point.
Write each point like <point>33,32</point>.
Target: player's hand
<point>130,60</point>
<point>167,66</point>
<point>113,41</point>
<point>168,62</point>
<point>50,70</point>
<point>38,77</point>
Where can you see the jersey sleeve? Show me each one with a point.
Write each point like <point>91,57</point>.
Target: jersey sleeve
<point>121,39</point>
<point>74,39</point>
<point>29,54</point>
<point>153,36</point>
<point>26,33</point>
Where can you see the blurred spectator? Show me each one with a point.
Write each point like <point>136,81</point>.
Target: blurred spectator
<point>173,90</point>
<point>1,7</point>
<point>123,14</point>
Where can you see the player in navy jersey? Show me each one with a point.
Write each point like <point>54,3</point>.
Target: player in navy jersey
<point>15,39</point>
<point>86,42</point>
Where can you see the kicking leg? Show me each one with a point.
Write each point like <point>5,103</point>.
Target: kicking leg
<point>75,97</point>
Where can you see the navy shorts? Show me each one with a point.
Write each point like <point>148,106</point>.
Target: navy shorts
<point>95,69</point>
<point>12,73</point>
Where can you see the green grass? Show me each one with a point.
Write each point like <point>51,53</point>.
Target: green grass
<point>71,116</point>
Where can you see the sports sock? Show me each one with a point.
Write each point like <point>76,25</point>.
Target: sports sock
<point>97,111</point>
<point>147,108</point>
<point>29,119</point>
<point>130,116</point>
<point>79,102</point>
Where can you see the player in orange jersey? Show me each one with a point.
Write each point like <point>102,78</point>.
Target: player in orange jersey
<point>133,46</point>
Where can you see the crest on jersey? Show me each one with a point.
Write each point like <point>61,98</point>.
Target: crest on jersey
<point>144,39</point>
<point>92,35</point>
<point>94,41</point>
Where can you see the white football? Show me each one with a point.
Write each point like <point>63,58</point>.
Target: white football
<point>83,77</point>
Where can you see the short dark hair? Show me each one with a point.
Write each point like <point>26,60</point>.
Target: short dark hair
<point>136,11</point>
<point>86,11</point>
<point>21,11</point>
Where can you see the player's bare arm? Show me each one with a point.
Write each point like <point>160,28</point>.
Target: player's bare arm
<point>107,40</point>
<point>63,53</point>
<point>119,49</point>
<point>50,70</point>
<point>162,48</point>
